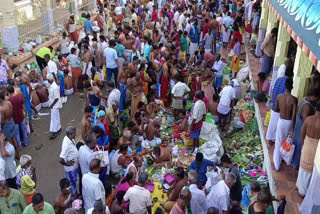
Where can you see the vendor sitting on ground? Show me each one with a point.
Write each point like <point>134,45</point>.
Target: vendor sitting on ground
<point>34,77</point>
<point>35,101</point>
<point>68,88</point>
<point>182,123</point>
<point>173,194</point>
<point>152,134</point>
<point>161,156</point>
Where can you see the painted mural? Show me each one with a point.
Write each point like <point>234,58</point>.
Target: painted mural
<point>303,16</point>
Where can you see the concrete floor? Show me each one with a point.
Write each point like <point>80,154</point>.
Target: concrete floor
<point>46,160</point>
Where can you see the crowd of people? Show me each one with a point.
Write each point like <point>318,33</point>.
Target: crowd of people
<point>131,61</point>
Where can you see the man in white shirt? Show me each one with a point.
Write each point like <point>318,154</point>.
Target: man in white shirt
<point>139,196</point>
<point>51,67</point>
<point>219,197</point>
<point>182,20</point>
<point>54,105</point>
<point>217,67</point>
<point>176,16</point>
<point>114,94</point>
<point>225,105</point>
<point>8,154</point>
<point>198,113</point>
<point>198,201</point>
<point>178,91</point>
<point>69,158</point>
<point>86,153</point>
<point>150,6</point>
<point>112,62</point>
<point>99,208</point>
<point>92,187</point>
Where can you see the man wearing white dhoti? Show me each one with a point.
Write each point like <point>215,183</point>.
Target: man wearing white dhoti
<point>286,104</point>
<point>311,203</point>
<point>54,104</point>
<point>194,36</point>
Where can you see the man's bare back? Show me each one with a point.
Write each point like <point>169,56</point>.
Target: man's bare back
<point>123,76</point>
<point>43,94</point>
<point>312,124</point>
<point>287,104</point>
<point>6,111</point>
<point>213,108</point>
<point>68,83</point>
<point>86,127</point>
<point>35,98</point>
<point>214,24</point>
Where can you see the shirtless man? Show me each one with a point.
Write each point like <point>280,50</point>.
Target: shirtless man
<point>86,126</point>
<point>133,66</point>
<point>214,25</point>
<point>43,95</point>
<point>135,86</point>
<point>165,80</point>
<point>310,136</point>
<point>35,101</point>
<point>152,135</point>
<point>34,77</point>
<point>162,156</point>
<point>68,87</point>
<point>7,123</point>
<point>87,60</point>
<point>119,161</point>
<point>94,95</point>
<point>64,199</point>
<point>286,104</point>
<point>213,108</point>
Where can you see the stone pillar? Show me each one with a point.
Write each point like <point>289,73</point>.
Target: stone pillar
<point>10,32</point>
<point>262,27</point>
<point>47,17</point>
<point>272,21</point>
<point>302,71</point>
<point>283,40</point>
<point>75,7</point>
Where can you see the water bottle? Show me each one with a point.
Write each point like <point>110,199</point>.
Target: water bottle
<point>15,206</point>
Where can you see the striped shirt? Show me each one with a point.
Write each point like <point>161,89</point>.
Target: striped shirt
<point>279,88</point>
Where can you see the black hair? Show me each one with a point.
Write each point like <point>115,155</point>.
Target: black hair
<point>264,196</point>
<point>180,172</point>
<point>140,104</point>
<point>2,97</point>
<point>123,147</point>
<point>262,75</point>
<point>10,89</point>
<point>137,115</point>
<point>199,157</point>
<point>289,84</point>
<point>86,84</point>
<point>37,199</point>
<point>318,106</point>
<point>128,177</point>
<point>120,195</point>
<point>255,186</point>
<point>64,183</point>
<point>225,159</point>
<point>111,84</point>
<point>98,130</point>
<point>156,149</point>
<point>108,189</point>
<point>216,97</point>
<point>88,109</point>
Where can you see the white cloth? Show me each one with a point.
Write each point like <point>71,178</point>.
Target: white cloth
<point>151,143</point>
<point>111,56</point>
<point>218,65</point>
<point>176,16</point>
<point>236,89</point>
<point>271,132</point>
<point>68,92</point>
<point>311,202</point>
<point>150,6</point>
<point>92,190</point>
<point>219,197</point>
<point>226,35</point>
<point>64,45</point>
<point>91,209</point>
<point>283,129</point>
<point>55,123</point>
<point>118,10</point>
<point>52,68</point>
<point>281,71</point>
<point>113,96</point>
<point>140,199</point>
<point>182,20</point>
<point>199,110</point>
<point>2,169</point>
<point>10,163</point>
<point>87,69</point>
<point>128,168</point>
<point>179,89</point>
<point>114,166</point>
<point>303,181</point>
<point>69,152</point>
<point>193,48</point>
<point>54,93</point>
<point>85,156</point>
<point>198,201</point>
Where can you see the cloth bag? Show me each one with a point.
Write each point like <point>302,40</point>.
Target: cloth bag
<point>287,150</point>
<point>102,156</point>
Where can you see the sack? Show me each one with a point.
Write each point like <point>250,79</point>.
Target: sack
<point>102,156</point>
<point>287,150</point>
<point>267,119</point>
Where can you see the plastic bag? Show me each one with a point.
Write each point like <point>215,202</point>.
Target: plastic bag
<point>243,73</point>
<point>213,178</point>
<point>208,131</point>
<point>267,119</point>
<point>39,40</point>
<point>102,156</point>
<point>175,151</point>
<point>287,150</point>
<point>237,123</point>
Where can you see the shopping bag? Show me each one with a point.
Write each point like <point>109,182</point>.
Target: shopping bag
<point>102,156</point>
<point>287,150</point>
<point>267,119</point>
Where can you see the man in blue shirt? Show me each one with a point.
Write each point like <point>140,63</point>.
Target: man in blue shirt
<point>279,88</point>
<point>200,166</point>
<point>88,25</point>
<point>194,36</point>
